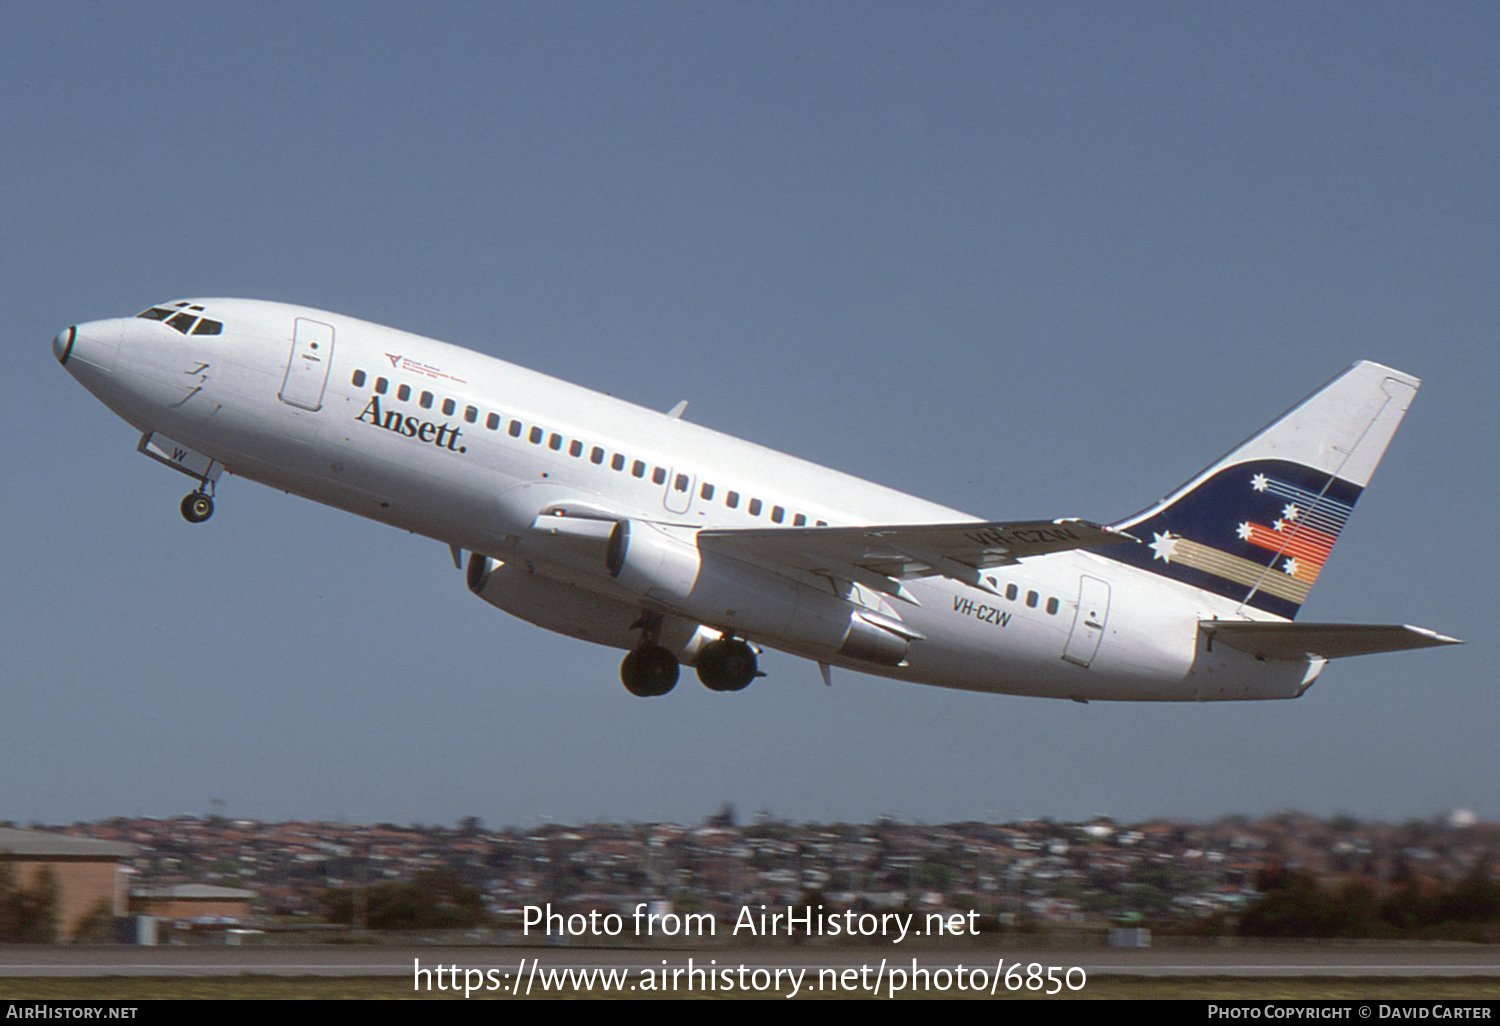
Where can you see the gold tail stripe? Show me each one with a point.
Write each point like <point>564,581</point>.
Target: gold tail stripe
<point>1240,570</point>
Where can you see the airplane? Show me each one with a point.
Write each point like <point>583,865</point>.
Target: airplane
<point>627,527</point>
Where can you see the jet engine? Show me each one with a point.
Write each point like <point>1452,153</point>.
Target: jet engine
<point>665,567</point>
<point>577,612</point>
<point>650,588</point>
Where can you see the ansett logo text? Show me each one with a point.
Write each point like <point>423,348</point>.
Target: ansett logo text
<point>443,435</point>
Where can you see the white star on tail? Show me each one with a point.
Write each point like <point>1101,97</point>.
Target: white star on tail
<point>1244,531</point>
<point>1164,547</point>
<point>1259,482</point>
<point>1291,512</point>
<point>1291,566</point>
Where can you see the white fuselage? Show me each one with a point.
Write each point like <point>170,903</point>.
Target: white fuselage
<point>469,450</point>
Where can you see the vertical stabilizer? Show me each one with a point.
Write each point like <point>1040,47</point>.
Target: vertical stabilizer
<point>1258,525</point>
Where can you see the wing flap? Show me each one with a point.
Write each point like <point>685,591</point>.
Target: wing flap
<point>1279,640</point>
<point>898,552</point>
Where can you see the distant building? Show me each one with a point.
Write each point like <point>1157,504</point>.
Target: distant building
<point>90,875</point>
<point>191,901</point>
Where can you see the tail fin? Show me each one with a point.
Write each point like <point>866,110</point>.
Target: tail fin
<point>1258,525</point>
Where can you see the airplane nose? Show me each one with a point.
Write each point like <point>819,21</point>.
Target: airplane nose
<point>62,345</point>
<point>89,349</point>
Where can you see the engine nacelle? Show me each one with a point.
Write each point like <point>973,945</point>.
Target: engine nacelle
<point>559,607</point>
<point>654,562</point>
<point>576,542</point>
<point>873,643</point>
<point>577,612</point>
<point>665,568</point>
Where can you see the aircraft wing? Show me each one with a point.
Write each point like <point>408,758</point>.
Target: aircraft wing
<point>883,556</point>
<point>1282,640</point>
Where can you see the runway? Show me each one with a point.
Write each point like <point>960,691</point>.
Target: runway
<point>354,961</point>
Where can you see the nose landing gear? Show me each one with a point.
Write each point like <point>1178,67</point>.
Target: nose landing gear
<point>197,507</point>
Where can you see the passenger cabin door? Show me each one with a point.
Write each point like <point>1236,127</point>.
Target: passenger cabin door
<point>307,367</point>
<point>1088,621</point>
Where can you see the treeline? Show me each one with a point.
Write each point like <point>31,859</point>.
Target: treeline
<point>28,915</point>
<point>1294,905</point>
<point>434,899</point>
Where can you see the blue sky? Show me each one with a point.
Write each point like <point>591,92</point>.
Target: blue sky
<point>1027,260</point>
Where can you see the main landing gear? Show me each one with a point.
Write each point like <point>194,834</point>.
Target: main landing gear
<point>650,669</point>
<point>726,665</point>
<point>197,507</point>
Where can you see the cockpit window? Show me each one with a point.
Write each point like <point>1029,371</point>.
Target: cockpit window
<point>182,320</point>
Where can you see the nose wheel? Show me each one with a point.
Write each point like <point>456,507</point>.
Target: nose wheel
<point>197,507</point>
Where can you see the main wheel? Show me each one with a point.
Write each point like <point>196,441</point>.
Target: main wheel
<point>649,671</point>
<point>197,507</point>
<point>726,665</point>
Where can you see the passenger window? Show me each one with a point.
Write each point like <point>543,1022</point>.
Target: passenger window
<point>707,491</point>
<point>754,507</point>
<point>358,379</point>
<point>575,448</point>
<point>448,407</point>
<point>555,442</point>
<point>681,484</point>
<point>425,400</point>
<point>515,429</point>
<point>732,500</point>
<point>492,422</point>
<point>776,514</point>
<point>618,463</point>
<point>403,393</point>
<point>800,520</point>
<point>536,436</point>
<point>1031,598</point>
<point>1011,591</point>
<point>1052,606</point>
<point>638,469</point>
<point>470,414</point>
<point>822,523</point>
<point>381,385</point>
<point>596,455</point>
<point>658,476</point>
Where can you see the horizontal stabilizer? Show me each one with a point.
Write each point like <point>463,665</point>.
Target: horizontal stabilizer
<point>1277,640</point>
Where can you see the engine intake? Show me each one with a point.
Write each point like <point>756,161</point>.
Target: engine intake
<point>654,562</point>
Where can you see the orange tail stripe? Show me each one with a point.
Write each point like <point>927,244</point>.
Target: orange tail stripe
<point>1303,543</point>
